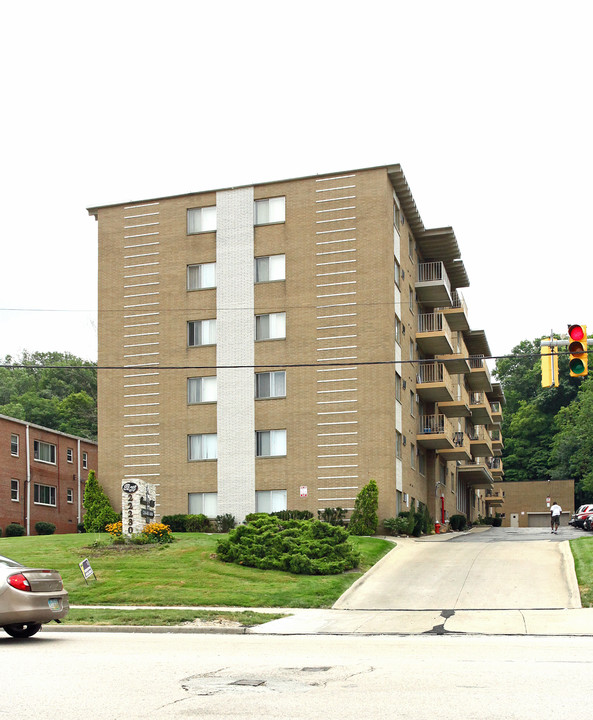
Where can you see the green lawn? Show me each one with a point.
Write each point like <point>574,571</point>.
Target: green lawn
<point>582,551</point>
<point>182,573</point>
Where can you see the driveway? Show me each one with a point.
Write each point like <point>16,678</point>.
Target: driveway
<point>498,569</point>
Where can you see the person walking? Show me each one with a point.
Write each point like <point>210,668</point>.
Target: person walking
<point>555,512</point>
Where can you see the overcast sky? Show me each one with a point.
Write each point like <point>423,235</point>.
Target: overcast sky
<point>487,107</point>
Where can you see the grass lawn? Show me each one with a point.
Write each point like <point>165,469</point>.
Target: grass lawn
<point>181,573</point>
<point>582,551</point>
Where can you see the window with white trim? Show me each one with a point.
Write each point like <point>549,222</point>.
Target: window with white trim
<point>202,447</point>
<point>271,326</point>
<point>201,332</point>
<point>69,495</point>
<point>269,501</point>
<point>398,444</point>
<point>270,268</point>
<point>204,503</point>
<point>44,452</point>
<point>270,210</point>
<point>397,273</point>
<point>412,456</point>
<point>201,220</point>
<point>201,276</point>
<point>70,455</point>
<point>398,330</point>
<point>85,460</point>
<point>14,445</point>
<point>44,495</point>
<point>201,390</point>
<point>270,384</point>
<point>398,387</point>
<point>270,443</point>
<point>14,490</point>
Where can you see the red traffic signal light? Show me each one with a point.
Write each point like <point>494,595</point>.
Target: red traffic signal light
<point>577,362</point>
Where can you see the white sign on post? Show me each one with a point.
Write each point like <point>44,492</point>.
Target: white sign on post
<point>138,506</point>
<point>304,492</point>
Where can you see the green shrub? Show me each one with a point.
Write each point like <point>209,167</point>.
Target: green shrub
<point>333,516</point>
<point>196,523</point>
<point>14,530</point>
<point>364,520</point>
<point>177,523</point>
<point>496,522</point>
<point>225,522</point>
<point>99,512</point>
<point>303,547</point>
<point>458,522</point>
<point>45,528</point>
<point>293,514</point>
<point>396,525</point>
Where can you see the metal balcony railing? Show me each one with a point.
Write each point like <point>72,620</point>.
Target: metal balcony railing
<point>431,372</point>
<point>476,398</point>
<point>432,424</point>
<point>431,322</point>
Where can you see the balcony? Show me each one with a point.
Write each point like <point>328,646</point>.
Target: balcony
<point>456,314</point>
<point>497,444</point>
<point>435,432</point>
<point>495,466</point>
<point>494,498</point>
<point>496,412</point>
<point>434,336</point>
<point>459,451</point>
<point>457,362</point>
<point>433,287</point>
<point>480,442</point>
<point>479,376</point>
<point>433,383</point>
<point>480,409</point>
<point>475,475</point>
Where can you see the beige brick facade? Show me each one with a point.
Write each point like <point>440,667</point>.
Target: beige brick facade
<point>357,333</point>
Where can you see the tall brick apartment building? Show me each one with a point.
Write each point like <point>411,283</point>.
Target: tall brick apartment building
<point>42,475</point>
<point>278,345</point>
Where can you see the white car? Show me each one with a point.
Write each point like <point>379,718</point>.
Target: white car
<point>29,597</point>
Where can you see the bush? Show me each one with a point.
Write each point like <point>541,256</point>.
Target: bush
<point>303,547</point>
<point>396,525</point>
<point>45,528</point>
<point>196,523</point>
<point>14,530</point>
<point>333,516</point>
<point>175,522</point>
<point>99,512</point>
<point>225,522</point>
<point>458,522</point>
<point>496,522</point>
<point>364,518</point>
<point>293,514</point>
<point>157,532</point>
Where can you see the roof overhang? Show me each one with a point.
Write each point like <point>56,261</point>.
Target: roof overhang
<point>475,476</point>
<point>476,342</point>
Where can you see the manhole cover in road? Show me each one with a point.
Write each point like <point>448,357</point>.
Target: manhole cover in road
<point>273,679</point>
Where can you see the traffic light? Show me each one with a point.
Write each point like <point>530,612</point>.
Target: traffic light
<point>549,366</point>
<point>577,362</point>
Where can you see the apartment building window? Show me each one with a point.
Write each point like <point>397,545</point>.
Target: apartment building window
<point>270,268</point>
<point>270,384</point>
<point>271,326</point>
<point>69,495</point>
<point>452,482</point>
<point>202,447</point>
<point>70,455</point>
<point>14,445</point>
<point>202,276</point>
<point>412,403</point>
<point>412,456</point>
<point>269,501</point>
<point>398,330</point>
<point>421,461</point>
<point>201,390</point>
<point>411,349</point>
<point>396,273</point>
<point>270,443</point>
<point>270,210</point>
<point>204,503</point>
<point>85,460</point>
<point>410,246</point>
<point>411,298</point>
<point>201,220</point>
<point>398,444</point>
<point>396,216</point>
<point>201,332</point>
<point>398,387</point>
<point>44,495</point>
<point>44,452</point>
<point>443,474</point>
<point>14,490</point>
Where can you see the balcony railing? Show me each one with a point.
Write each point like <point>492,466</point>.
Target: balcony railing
<point>431,373</point>
<point>431,322</point>
<point>432,424</point>
<point>494,463</point>
<point>457,301</point>
<point>476,398</point>
<point>495,407</point>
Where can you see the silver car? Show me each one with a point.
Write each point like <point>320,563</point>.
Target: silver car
<point>29,597</point>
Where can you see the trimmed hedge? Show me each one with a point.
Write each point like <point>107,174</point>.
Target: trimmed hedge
<point>303,547</point>
<point>458,522</point>
<point>14,530</point>
<point>186,523</point>
<point>45,528</point>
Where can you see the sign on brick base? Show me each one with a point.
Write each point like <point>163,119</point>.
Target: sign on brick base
<point>138,506</point>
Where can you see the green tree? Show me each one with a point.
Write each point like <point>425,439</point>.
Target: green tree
<point>99,512</point>
<point>364,518</point>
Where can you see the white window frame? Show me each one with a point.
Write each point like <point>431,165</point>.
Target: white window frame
<point>276,381</point>
<point>69,455</point>
<point>201,447</point>
<point>85,460</point>
<point>199,329</point>
<point>270,443</point>
<point>201,276</point>
<point>203,503</point>
<point>398,444</point>
<point>270,268</point>
<point>270,326</point>
<point>201,390</point>
<point>413,456</point>
<point>69,495</point>
<point>14,444</point>
<point>38,489</point>
<point>39,448</point>
<point>270,211</point>
<point>15,490</point>
<point>201,220</point>
<point>269,501</point>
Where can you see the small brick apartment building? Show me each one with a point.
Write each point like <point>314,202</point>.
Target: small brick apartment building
<point>42,475</point>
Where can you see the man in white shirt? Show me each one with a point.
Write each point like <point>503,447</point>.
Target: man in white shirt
<point>555,512</point>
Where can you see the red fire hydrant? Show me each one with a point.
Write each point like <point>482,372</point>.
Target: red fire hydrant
<point>437,528</point>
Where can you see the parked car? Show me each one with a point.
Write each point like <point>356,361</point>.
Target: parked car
<point>588,522</point>
<point>29,597</point>
<point>578,519</point>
